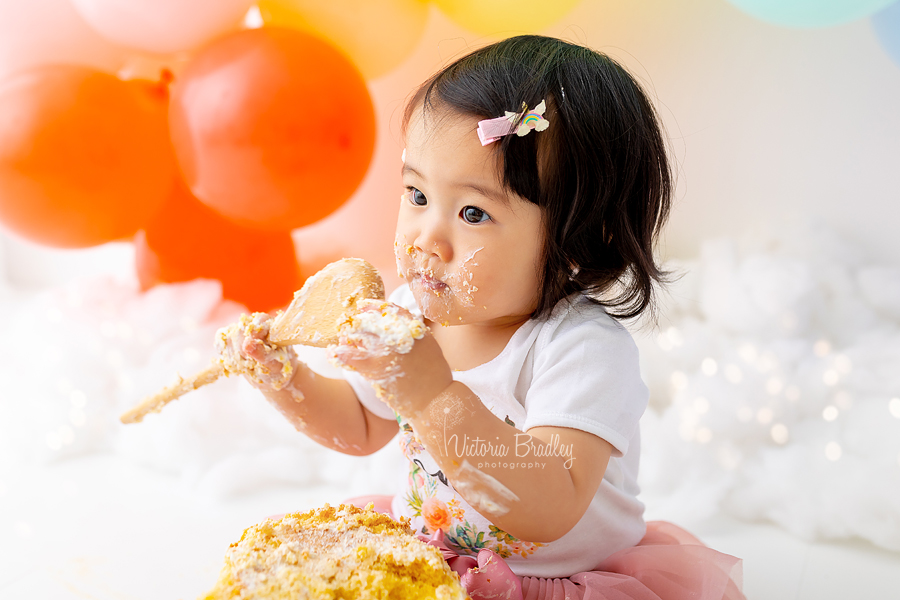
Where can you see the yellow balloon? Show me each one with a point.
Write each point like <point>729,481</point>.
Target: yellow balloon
<point>505,16</point>
<point>377,36</point>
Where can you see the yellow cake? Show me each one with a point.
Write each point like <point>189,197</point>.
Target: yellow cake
<point>341,552</point>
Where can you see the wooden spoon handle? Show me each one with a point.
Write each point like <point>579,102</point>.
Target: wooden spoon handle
<point>314,318</point>
<point>155,402</point>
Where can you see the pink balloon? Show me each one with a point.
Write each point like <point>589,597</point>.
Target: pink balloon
<point>162,26</point>
<point>37,32</point>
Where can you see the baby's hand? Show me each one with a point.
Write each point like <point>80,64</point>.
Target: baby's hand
<point>243,348</point>
<point>397,353</point>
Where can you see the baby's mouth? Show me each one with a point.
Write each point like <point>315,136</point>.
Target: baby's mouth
<point>430,284</point>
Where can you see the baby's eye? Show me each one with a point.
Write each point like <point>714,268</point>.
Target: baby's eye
<point>473,214</point>
<point>416,196</point>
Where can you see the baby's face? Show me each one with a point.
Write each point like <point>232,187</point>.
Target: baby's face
<point>469,249</point>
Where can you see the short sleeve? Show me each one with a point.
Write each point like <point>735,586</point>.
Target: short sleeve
<point>361,386</point>
<point>586,376</point>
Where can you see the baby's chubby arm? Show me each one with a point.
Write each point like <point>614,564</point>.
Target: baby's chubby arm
<point>538,504</point>
<point>327,410</point>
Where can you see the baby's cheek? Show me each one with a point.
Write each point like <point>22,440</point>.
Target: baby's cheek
<point>464,278</point>
<point>403,256</point>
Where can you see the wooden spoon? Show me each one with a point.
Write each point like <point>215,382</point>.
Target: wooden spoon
<point>314,318</point>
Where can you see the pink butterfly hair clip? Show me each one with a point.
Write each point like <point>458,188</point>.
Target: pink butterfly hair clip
<point>491,130</point>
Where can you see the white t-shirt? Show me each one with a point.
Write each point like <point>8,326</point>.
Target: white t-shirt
<point>577,369</point>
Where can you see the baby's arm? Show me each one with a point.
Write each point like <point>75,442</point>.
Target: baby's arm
<point>327,410</point>
<point>536,504</point>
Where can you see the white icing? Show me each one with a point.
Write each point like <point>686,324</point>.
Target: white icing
<point>392,331</point>
<point>439,295</point>
<point>484,492</point>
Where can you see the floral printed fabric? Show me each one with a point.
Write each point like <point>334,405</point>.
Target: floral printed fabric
<point>433,505</point>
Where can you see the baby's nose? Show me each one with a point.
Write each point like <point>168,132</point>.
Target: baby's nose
<point>433,241</point>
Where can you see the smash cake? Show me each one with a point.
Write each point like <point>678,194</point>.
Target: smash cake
<point>341,552</point>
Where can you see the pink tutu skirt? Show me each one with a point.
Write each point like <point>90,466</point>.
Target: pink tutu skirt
<point>668,564</point>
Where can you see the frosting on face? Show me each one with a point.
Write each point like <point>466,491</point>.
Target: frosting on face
<point>446,296</point>
<point>469,248</point>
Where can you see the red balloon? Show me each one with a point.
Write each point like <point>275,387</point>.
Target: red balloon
<point>273,128</point>
<point>186,240</point>
<point>85,157</point>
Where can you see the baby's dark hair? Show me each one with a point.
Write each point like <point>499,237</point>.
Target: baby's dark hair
<point>599,172</point>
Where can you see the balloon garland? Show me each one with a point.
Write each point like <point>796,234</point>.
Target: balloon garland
<point>273,128</point>
<point>85,157</point>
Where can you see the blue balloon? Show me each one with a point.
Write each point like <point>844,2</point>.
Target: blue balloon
<point>887,26</point>
<point>810,13</point>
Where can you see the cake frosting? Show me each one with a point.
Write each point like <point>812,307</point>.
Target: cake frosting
<point>335,552</point>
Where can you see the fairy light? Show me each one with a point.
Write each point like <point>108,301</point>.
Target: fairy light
<point>704,435</point>
<point>679,380</point>
<point>254,19</point>
<point>779,433</point>
<point>843,364</point>
<point>675,336</point>
<point>124,330</point>
<point>833,451</point>
<point>765,415</point>
<point>789,321</point>
<point>843,400</point>
<point>188,324</point>
<point>687,428</point>
<point>830,413</point>
<point>822,348</point>
<point>670,339</point>
<point>729,457</point>
<point>767,361</point>
<point>66,434</point>
<point>701,405</point>
<point>709,366</point>
<point>894,407</point>
<point>774,385</point>
<point>191,354</point>
<point>748,353</point>
<point>663,342</point>
<point>831,377</point>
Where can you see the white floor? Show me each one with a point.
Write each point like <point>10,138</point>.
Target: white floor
<point>99,528</point>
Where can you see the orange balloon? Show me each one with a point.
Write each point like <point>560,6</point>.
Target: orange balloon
<point>273,128</point>
<point>366,31</point>
<point>186,240</point>
<point>85,157</point>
